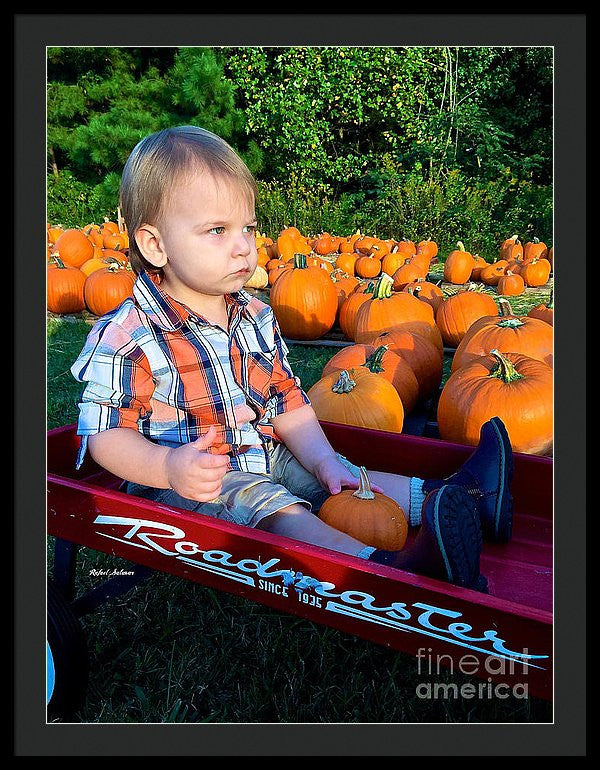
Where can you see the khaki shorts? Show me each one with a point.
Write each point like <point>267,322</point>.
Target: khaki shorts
<point>246,498</point>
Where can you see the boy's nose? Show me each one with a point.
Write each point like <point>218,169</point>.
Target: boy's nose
<point>242,246</point>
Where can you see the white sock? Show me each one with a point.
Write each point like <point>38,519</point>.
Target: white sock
<point>365,552</point>
<point>416,501</point>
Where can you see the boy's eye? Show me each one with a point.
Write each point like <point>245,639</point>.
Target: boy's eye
<point>250,228</point>
<point>220,229</point>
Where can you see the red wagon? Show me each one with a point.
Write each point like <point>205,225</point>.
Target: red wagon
<point>506,635</point>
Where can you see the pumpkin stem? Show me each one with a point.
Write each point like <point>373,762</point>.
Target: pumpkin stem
<point>505,308</point>
<point>300,261</point>
<point>374,362</point>
<point>59,263</point>
<point>344,384</point>
<point>461,246</point>
<point>364,491</point>
<point>536,239</point>
<point>504,369</point>
<point>383,287</point>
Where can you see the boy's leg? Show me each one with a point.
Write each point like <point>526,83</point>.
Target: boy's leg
<point>447,547</point>
<point>486,476</point>
<point>299,523</point>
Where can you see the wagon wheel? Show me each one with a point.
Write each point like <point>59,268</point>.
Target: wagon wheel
<point>67,657</point>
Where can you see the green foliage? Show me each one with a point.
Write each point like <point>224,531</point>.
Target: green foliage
<point>407,141</point>
<point>410,206</point>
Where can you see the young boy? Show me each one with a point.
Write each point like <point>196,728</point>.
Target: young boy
<point>190,398</point>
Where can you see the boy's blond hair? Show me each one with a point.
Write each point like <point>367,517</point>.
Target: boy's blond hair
<point>161,160</point>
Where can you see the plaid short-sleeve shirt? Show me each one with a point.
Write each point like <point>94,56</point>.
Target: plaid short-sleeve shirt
<point>155,366</point>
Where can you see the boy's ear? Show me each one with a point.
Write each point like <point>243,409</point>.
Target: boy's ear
<point>149,243</point>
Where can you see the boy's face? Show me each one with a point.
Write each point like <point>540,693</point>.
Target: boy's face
<point>207,239</point>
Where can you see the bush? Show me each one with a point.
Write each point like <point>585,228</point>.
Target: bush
<point>481,214</point>
<point>73,203</point>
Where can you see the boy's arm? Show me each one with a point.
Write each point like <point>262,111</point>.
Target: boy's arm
<point>189,469</point>
<point>301,432</point>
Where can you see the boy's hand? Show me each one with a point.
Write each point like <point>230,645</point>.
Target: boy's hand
<point>195,473</point>
<point>333,476</point>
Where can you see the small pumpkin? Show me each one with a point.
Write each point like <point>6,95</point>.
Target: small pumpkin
<point>479,263</point>
<point>367,266</point>
<point>492,274</point>
<point>259,279</point>
<point>428,247</point>
<point>379,360</point>
<point>406,247</point>
<point>346,261</point>
<point>370,517</point>
<point>393,261</point>
<point>426,291</point>
<point>410,272</point>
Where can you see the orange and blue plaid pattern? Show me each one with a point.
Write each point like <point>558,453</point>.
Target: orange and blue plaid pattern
<point>155,366</point>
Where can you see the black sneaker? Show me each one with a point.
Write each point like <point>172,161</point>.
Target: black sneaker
<point>448,544</point>
<point>487,476</point>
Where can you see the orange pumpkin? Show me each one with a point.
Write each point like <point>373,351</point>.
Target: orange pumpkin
<point>367,267</point>
<point>408,273</point>
<point>64,288</point>
<point>514,387</point>
<point>458,265</point>
<point>370,517</point>
<point>392,261</point>
<point>511,284</point>
<point>386,310</point>
<point>512,248</point>
<point>304,301</point>
<point>424,358</point>
<point>382,361</point>
<point>106,289</point>
<point>535,248</point>
<point>74,247</point>
<point>544,311</point>
<point>456,314</point>
<point>479,264</point>
<point>492,274</point>
<point>406,247</point>
<point>508,333</point>
<point>358,397</point>
<point>53,233</point>
<point>536,272</point>
<point>429,248</point>
<point>346,262</point>
<point>426,291</point>
<point>350,306</point>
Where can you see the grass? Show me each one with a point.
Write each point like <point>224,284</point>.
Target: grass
<point>174,651</point>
